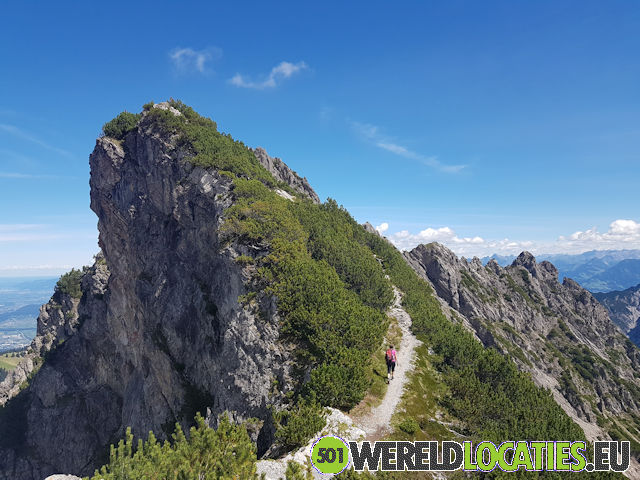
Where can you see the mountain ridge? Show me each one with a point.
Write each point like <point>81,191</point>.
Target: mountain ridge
<point>595,270</point>
<point>222,287</point>
<point>556,331</point>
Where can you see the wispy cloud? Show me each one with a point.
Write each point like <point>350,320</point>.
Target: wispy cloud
<point>280,72</point>
<point>372,134</point>
<point>34,268</point>
<point>621,234</point>
<point>36,232</point>
<point>188,60</point>
<point>10,227</point>
<point>28,176</point>
<point>21,134</point>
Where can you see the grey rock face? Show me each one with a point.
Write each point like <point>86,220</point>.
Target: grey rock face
<point>623,306</point>
<point>557,332</point>
<point>283,173</point>
<point>370,228</point>
<point>159,335</point>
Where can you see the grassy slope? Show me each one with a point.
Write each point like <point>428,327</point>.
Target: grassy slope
<point>8,363</point>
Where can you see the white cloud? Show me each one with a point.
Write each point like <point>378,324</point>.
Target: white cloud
<point>279,72</point>
<point>18,133</point>
<point>188,60</point>
<point>372,134</point>
<point>383,227</point>
<point>445,235</point>
<point>622,234</point>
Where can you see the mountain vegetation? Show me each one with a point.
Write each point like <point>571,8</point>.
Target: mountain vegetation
<point>486,390</point>
<point>121,125</point>
<point>332,292</point>
<point>70,283</point>
<point>204,454</point>
<point>310,269</point>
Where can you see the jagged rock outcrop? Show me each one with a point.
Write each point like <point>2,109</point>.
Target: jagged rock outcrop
<point>556,331</point>
<point>57,322</point>
<point>283,173</point>
<point>624,309</point>
<point>159,335</point>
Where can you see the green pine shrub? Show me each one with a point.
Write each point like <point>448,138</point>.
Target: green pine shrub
<point>70,283</point>
<point>297,425</point>
<point>121,125</point>
<point>205,454</point>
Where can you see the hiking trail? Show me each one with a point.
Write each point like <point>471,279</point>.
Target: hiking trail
<point>377,422</point>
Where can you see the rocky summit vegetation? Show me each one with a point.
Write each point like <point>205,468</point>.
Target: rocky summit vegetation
<point>330,290</point>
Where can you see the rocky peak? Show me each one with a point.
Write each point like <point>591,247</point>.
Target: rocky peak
<point>549,269</point>
<point>166,106</point>
<point>494,266</point>
<point>283,173</point>
<point>162,333</point>
<point>370,228</point>
<point>544,270</point>
<point>526,260</point>
<point>557,332</point>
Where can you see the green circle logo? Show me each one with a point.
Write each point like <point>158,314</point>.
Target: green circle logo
<point>330,455</point>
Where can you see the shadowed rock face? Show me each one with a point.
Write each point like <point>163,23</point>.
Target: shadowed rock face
<point>558,332</point>
<point>160,334</point>
<point>624,308</point>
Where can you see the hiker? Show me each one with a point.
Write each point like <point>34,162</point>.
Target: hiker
<point>392,358</point>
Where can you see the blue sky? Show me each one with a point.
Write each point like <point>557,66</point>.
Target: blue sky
<point>489,126</point>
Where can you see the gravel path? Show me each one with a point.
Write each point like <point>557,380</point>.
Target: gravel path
<point>376,423</point>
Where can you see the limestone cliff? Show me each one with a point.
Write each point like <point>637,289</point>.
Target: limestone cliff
<point>556,331</point>
<point>283,173</point>
<point>158,334</point>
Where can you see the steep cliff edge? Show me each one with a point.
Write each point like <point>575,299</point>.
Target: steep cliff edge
<point>557,332</point>
<point>165,337</point>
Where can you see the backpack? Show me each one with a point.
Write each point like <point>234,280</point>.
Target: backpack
<point>390,356</point>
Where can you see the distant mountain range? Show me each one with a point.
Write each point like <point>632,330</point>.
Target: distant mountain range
<point>596,270</point>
